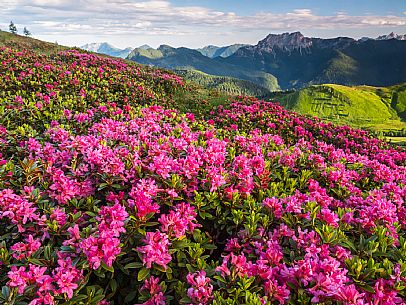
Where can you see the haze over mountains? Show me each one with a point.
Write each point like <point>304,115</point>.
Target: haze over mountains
<point>215,51</point>
<point>285,61</point>
<point>108,49</point>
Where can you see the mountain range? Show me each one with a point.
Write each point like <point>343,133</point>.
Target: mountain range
<point>215,51</point>
<point>392,36</point>
<point>188,59</point>
<point>106,48</point>
<point>282,61</point>
<point>292,60</point>
<point>209,51</point>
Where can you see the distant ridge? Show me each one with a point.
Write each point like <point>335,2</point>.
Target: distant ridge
<point>107,49</point>
<point>188,59</point>
<point>215,51</point>
<point>392,36</point>
<point>298,61</point>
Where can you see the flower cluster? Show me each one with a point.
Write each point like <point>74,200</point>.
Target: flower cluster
<point>104,244</point>
<point>156,250</point>
<point>104,199</point>
<point>63,281</point>
<point>201,290</point>
<point>180,220</point>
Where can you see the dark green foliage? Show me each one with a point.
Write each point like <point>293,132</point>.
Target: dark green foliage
<point>339,61</point>
<point>12,28</point>
<point>224,84</point>
<point>184,58</point>
<point>26,32</point>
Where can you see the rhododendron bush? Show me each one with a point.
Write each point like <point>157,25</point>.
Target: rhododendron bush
<point>109,200</point>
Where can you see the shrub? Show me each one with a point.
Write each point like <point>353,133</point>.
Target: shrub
<point>110,200</point>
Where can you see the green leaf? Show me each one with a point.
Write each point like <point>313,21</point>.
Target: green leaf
<point>133,265</point>
<point>179,244</point>
<point>131,296</point>
<point>368,288</point>
<point>105,267</point>
<point>210,246</point>
<point>142,274</point>
<point>113,285</point>
<point>5,292</point>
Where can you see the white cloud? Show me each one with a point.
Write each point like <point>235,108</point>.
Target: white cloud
<point>127,17</point>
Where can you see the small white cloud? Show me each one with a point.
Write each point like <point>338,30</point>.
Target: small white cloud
<point>302,12</point>
<point>142,25</point>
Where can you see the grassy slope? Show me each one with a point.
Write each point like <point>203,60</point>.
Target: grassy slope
<point>227,85</point>
<point>186,100</point>
<point>376,108</point>
<point>380,109</point>
<point>21,43</point>
<point>183,58</point>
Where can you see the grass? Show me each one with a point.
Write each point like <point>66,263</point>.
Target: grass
<point>20,42</point>
<point>399,141</point>
<point>224,84</point>
<point>380,109</point>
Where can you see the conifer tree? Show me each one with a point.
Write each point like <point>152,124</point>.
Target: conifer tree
<point>27,32</point>
<point>12,27</point>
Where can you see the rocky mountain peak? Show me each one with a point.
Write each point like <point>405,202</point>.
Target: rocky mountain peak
<point>285,41</point>
<point>392,35</point>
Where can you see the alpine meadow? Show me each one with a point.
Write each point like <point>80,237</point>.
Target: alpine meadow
<point>263,171</point>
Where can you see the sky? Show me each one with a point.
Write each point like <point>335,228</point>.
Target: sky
<point>193,23</point>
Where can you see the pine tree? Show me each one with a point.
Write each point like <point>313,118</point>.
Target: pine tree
<point>26,32</point>
<point>12,27</point>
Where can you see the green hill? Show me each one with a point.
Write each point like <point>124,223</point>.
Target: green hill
<point>224,84</point>
<point>376,108</point>
<point>188,59</point>
<point>27,43</point>
<point>214,51</point>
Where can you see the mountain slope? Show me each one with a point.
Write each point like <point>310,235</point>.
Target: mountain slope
<point>294,60</point>
<point>377,108</point>
<point>28,43</point>
<point>224,84</point>
<point>298,61</point>
<point>214,51</point>
<point>184,58</point>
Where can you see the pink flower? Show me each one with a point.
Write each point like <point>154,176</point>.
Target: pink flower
<point>180,220</point>
<point>155,250</point>
<point>17,209</point>
<point>18,278</point>
<point>112,219</point>
<point>59,216</point>
<point>66,276</point>
<point>67,113</point>
<point>24,250</point>
<point>104,246</point>
<point>275,206</point>
<point>63,188</point>
<point>201,290</point>
<point>156,295</point>
<point>276,292</point>
<point>350,296</point>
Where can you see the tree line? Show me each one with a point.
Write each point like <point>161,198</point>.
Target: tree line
<point>13,29</point>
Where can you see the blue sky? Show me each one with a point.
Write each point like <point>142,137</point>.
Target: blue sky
<point>325,7</point>
<point>195,23</point>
